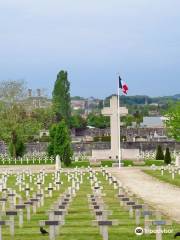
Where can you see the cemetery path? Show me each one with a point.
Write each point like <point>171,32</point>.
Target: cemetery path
<point>163,196</point>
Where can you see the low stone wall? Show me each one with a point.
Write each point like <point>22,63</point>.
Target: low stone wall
<point>88,147</point>
<point>143,146</point>
<point>129,132</point>
<point>151,146</point>
<point>36,147</point>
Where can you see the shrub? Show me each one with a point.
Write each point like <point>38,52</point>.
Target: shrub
<point>60,143</point>
<point>79,164</point>
<point>159,153</point>
<point>154,162</point>
<point>106,163</point>
<point>19,148</point>
<point>126,163</point>
<point>167,158</point>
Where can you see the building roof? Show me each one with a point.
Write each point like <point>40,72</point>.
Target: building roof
<point>153,122</point>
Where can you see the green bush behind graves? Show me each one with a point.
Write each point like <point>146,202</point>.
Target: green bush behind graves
<point>167,157</point>
<point>126,163</point>
<point>17,147</point>
<point>60,143</point>
<point>159,153</point>
<point>107,163</point>
<point>78,164</point>
<point>154,162</point>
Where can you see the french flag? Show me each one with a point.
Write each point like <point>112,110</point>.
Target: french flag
<point>123,86</point>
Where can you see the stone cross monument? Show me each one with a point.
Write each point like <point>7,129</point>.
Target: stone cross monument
<point>112,112</point>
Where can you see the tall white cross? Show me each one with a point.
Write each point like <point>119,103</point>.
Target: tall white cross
<point>112,112</point>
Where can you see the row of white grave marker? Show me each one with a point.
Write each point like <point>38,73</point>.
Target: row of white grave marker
<point>146,155</point>
<point>131,203</point>
<point>99,208</point>
<point>27,161</point>
<point>24,182</point>
<point>171,169</point>
<point>34,200</point>
<point>56,214</point>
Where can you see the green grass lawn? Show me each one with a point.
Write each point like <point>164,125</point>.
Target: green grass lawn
<point>78,221</point>
<point>167,177</point>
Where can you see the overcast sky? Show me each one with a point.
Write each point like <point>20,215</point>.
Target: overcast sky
<point>93,40</point>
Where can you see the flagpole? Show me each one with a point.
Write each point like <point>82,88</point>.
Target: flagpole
<point>119,129</point>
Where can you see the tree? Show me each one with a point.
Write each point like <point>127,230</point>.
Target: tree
<point>15,124</point>
<point>173,121</point>
<point>61,98</point>
<point>78,122</point>
<point>52,133</point>
<point>45,116</point>
<point>98,121</point>
<point>17,147</point>
<point>61,143</point>
<point>138,118</point>
<point>159,153</point>
<point>167,157</point>
<point>127,120</point>
<point>12,91</point>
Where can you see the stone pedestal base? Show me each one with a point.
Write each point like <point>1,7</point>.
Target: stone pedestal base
<point>130,154</point>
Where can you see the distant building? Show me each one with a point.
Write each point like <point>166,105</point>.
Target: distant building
<point>154,104</point>
<point>153,122</point>
<point>87,105</point>
<point>78,104</point>
<point>154,113</point>
<point>37,100</point>
<point>91,104</point>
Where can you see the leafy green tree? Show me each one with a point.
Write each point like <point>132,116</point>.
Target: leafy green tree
<point>98,121</point>
<point>15,124</point>
<point>12,91</point>
<point>159,153</point>
<point>62,143</point>
<point>138,118</point>
<point>17,147</point>
<point>45,116</point>
<point>78,122</point>
<point>167,157</point>
<point>127,120</point>
<point>61,97</point>
<point>52,133</point>
<point>173,121</point>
